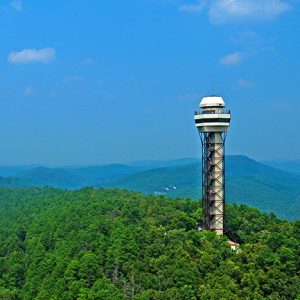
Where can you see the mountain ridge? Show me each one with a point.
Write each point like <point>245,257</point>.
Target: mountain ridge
<point>247,181</point>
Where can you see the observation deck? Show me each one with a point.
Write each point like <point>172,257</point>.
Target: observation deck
<point>212,116</point>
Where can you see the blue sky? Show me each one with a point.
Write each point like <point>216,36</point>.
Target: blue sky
<point>86,81</point>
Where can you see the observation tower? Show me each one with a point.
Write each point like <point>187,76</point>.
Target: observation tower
<point>212,122</point>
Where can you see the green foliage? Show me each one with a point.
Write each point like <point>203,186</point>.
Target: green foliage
<point>247,182</point>
<point>110,244</point>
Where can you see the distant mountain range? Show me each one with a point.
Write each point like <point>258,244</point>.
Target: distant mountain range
<point>66,178</point>
<point>285,165</point>
<point>248,181</point>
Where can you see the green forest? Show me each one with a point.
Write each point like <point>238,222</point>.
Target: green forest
<point>114,244</point>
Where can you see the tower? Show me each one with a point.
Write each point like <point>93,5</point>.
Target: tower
<point>212,122</point>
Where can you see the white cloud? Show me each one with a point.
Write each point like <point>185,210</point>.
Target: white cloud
<point>233,58</point>
<point>225,10</point>
<point>221,11</point>
<point>17,5</point>
<point>25,56</point>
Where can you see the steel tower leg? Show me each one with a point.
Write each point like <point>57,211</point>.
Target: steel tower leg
<point>213,180</point>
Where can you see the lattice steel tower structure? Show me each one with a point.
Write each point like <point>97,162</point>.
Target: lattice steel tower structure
<point>212,122</point>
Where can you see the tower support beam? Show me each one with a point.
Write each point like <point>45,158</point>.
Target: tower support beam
<point>212,122</point>
<point>213,180</point>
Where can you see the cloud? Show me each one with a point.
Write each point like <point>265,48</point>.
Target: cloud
<point>16,5</point>
<point>225,10</point>
<point>222,11</point>
<point>26,56</point>
<point>232,59</point>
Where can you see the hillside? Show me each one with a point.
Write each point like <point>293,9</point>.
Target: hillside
<point>74,178</point>
<point>97,244</point>
<point>248,182</point>
<point>13,182</point>
<point>292,166</point>
<point>154,164</point>
<point>12,171</point>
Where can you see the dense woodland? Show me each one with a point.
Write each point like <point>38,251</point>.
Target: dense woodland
<point>247,181</point>
<point>110,244</point>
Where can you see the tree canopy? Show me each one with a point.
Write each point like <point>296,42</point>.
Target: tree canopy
<point>112,244</point>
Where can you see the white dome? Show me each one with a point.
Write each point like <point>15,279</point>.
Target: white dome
<point>212,101</point>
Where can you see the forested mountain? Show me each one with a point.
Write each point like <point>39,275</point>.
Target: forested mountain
<point>154,164</point>
<point>15,182</point>
<point>109,244</point>
<point>292,166</point>
<point>247,181</point>
<point>60,178</point>
<point>12,171</point>
<point>68,177</point>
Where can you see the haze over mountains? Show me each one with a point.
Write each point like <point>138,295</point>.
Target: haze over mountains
<point>285,165</point>
<point>248,181</point>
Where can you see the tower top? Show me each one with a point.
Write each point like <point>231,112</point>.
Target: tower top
<point>212,101</point>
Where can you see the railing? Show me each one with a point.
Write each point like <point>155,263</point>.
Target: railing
<point>219,111</point>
